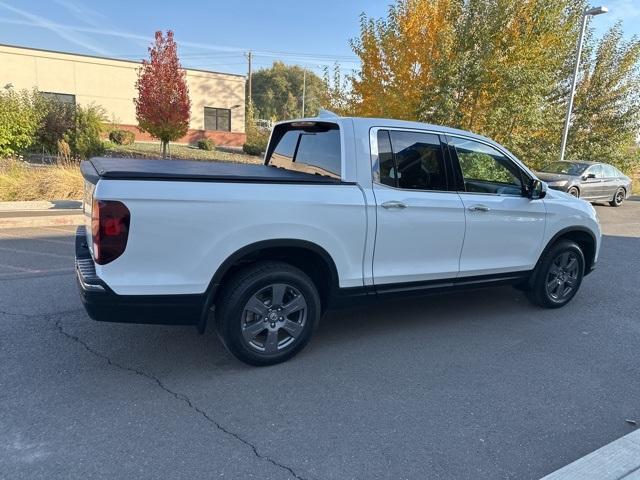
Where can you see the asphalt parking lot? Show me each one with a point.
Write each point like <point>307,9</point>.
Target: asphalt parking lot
<point>474,385</point>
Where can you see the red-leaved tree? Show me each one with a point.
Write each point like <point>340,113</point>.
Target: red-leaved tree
<point>162,106</point>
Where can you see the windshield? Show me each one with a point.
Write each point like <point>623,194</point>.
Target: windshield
<point>565,168</point>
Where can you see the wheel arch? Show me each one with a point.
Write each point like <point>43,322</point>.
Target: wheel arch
<point>584,237</point>
<point>309,257</point>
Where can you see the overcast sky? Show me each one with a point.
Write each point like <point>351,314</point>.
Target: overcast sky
<point>214,34</point>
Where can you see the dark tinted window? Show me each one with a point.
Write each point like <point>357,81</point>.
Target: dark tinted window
<point>60,97</point>
<point>485,169</point>
<point>313,149</point>
<point>217,119</point>
<point>387,173</point>
<point>415,161</point>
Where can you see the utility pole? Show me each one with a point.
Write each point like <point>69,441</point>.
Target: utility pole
<point>304,89</point>
<point>249,56</point>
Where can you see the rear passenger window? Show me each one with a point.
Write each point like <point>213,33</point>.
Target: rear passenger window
<point>310,148</point>
<point>411,160</point>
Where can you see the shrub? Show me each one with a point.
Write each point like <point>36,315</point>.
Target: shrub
<point>206,144</point>
<point>84,137</point>
<point>64,151</point>
<point>122,137</point>
<point>57,119</point>
<point>19,121</point>
<point>252,149</point>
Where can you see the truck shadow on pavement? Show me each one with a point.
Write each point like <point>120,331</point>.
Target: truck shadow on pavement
<point>386,325</point>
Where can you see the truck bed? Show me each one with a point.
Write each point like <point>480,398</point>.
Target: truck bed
<point>195,171</point>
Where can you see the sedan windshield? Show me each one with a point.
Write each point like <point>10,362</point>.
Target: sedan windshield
<point>565,168</point>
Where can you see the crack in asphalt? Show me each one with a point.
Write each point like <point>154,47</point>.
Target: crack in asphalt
<point>177,395</point>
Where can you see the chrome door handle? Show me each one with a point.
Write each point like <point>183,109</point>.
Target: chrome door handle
<point>393,204</point>
<point>478,208</point>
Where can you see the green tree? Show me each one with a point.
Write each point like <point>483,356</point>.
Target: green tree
<point>277,92</point>
<point>19,121</point>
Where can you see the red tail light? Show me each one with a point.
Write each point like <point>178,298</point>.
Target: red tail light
<point>109,229</point>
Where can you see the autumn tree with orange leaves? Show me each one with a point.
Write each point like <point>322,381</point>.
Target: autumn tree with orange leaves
<point>163,105</point>
<point>501,68</point>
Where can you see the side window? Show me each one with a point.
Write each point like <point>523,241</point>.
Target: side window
<point>596,170</point>
<point>314,149</point>
<point>414,160</point>
<point>485,169</point>
<point>609,171</point>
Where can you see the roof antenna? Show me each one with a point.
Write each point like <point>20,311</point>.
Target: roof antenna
<point>326,114</point>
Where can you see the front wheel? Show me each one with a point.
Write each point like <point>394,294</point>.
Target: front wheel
<point>267,313</point>
<point>573,191</point>
<point>618,198</point>
<point>558,276</point>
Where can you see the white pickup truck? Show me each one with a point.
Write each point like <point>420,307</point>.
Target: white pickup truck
<point>342,209</point>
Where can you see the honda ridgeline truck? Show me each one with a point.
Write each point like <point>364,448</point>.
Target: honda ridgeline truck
<point>342,209</point>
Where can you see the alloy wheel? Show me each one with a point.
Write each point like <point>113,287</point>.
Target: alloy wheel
<point>562,278</point>
<point>274,318</point>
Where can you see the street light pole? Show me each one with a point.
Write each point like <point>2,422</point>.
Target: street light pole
<point>590,12</point>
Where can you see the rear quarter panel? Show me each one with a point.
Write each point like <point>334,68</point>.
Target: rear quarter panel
<point>181,232</point>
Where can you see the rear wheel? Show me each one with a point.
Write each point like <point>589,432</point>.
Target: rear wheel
<point>618,198</point>
<point>558,276</point>
<point>574,192</point>
<point>267,313</point>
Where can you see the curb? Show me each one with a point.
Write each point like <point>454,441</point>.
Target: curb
<point>42,221</point>
<point>619,460</point>
<point>40,205</point>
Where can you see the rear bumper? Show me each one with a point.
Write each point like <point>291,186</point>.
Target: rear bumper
<point>104,305</point>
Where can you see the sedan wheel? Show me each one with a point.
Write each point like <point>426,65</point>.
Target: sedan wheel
<point>618,198</point>
<point>574,192</point>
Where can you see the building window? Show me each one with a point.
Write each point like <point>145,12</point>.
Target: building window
<point>60,97</point>
<point>217,119</point>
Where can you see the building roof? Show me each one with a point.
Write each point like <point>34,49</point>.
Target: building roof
<point>114,59</point>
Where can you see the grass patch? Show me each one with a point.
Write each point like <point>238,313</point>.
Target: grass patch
<point>181,152</point>
<point>21,181</point>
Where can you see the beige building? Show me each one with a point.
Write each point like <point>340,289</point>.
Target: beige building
<point>217,99</point>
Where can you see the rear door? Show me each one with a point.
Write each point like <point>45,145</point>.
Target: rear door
<point>420,222</point>
<point>504,228</point>
<point>610,181</point>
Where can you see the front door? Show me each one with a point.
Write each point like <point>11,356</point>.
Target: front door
<point>420,223</point>
<point>504,228</point>
<point>591,186</point>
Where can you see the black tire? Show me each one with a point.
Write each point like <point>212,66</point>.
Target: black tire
<point>574,191</point>
<point>237,319</point>
<point>553,285</point>
<point>618,197</point>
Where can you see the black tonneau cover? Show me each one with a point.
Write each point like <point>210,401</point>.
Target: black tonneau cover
<point>195,171</point>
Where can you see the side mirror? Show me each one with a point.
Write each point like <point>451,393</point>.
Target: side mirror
<point>588,176</point>
<point>537,189</point>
